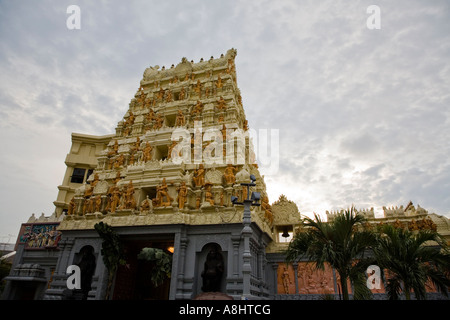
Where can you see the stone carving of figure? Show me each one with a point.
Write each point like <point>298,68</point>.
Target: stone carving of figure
<point>169,152</point>
<point>163,198</point>
<point>115,200</point>
<point>146,205</point>
<point>208,194</point>
<point>150,115</point>
<point>286,280</point>
<point>182,195</point>
<point>169,97</point>
<point>221,105</point>
<point>198,89</point>
<point>147,154</point>
<point>158,122</point>
<point>213,271</point>
<point>266,207</point>
<point>119,161</point>
<point>114,150</point>
<point>130,202</point>
<point>98,203</point>
<point>219,83</point>
<point>180,120</point>
<point>182,94</point>
<point>71,209</point>
<point>198,108</point>
<point>230,170</point>
<point>87,268</point>
<point>199,176</point>
<point>160,94</point>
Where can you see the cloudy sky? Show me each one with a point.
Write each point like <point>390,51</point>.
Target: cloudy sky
<point>363,114</point>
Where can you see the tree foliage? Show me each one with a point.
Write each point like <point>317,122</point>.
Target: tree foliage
<point>342,243</point>
<point>112,251</point>
<point>413,259</point>
<point>162,264</point>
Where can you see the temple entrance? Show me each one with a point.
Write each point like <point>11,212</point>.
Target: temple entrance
<point>133,280</point>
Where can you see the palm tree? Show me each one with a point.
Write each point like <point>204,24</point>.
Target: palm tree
<point>412,261</point>
<point>342,243</point>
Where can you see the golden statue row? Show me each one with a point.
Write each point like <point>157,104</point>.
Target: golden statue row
<point>154,120</point>
<point>117,198</point>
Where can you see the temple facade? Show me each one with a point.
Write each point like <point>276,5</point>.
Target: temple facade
<point>165,180</point>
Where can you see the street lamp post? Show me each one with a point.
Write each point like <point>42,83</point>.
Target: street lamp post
<point>246,233</point>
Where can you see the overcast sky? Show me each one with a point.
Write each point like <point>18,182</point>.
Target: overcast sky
<point>363,114</point>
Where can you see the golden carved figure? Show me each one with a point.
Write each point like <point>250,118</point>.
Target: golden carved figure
<point>219,83</point>
<point>266,207</point>
<point>163,198</point>
<point>208,194</point>
<point>199,176</point>
<point>145,205</point>
<point>182,94</point>
<point>198,108</point>
<point>114,150</point>
<point>160,94</point>
<point>169,97</point>
<point>158,122</point>
<point>71,209</point>
<point>150,115</point>
<point>98,203</point>
<point>182,195</point>
<point>169,152</point>
<point>229,172</point>
<point>147,153</point>
<point>222,105</point>
<point>119,161</point>
<point>130,202</point>
<point>198,88</point>
<point>180,119</point>
<point>115,200</point>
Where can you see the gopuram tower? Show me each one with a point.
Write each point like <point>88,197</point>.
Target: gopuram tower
<point>165,179</point>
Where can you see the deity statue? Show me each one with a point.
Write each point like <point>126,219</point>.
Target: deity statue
<point>182,195</point>
<point>147,153</point>
<point>114,150</point>
<point>130,202</point>
<point>245,125</point>
<point>160,94</point>
<point>162,193</point>
<point>71,209</point>
<point>212,271</point>
<point>198,108</point>
<point>119,161</point>
<point>169,152</point>
<point>199,176</point>
<point>158,122</point>
<point>146,205</point>
<point>98,203</point>
<point>182,94</point>
<point>150,115</point>
<point>222,105</point>
<point>115,200</point>
<point>198,89</point>
<point>266,207</point>
<point>229,172</point>
<point>208,194</point>
<point>169,96</point>
<point>180,119</point>
<point>219,83</point>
